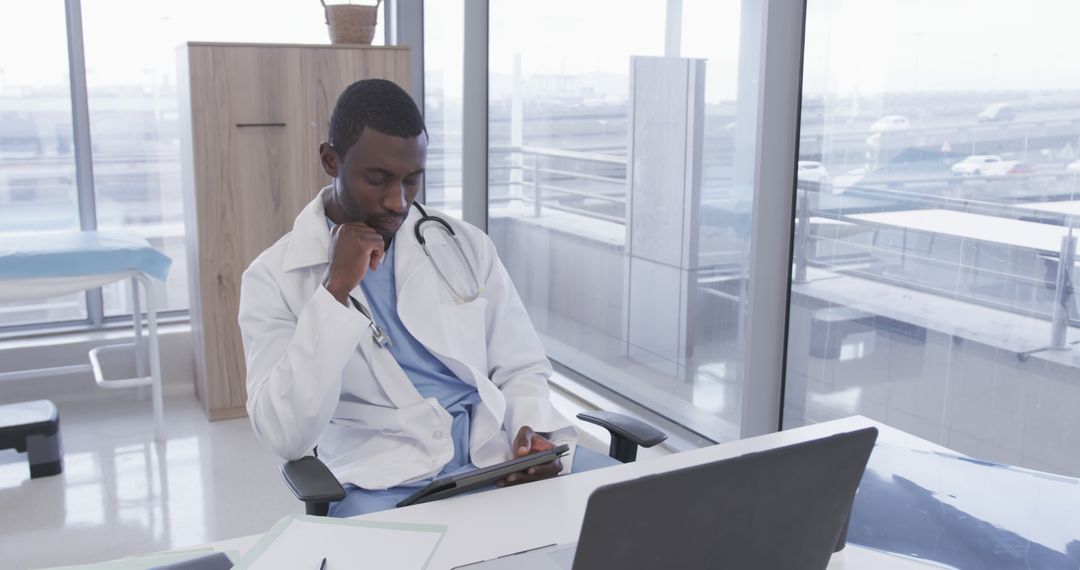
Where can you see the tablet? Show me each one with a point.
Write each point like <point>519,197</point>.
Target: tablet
<point>457,484</point>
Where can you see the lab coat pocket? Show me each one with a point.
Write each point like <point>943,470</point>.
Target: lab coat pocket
<point>357,415</point>
<point>359,382</point>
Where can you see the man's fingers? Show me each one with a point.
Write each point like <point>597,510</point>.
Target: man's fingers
<point>540,443</point>
<point>376,258</point>
<point>523,442</point>
<point>544,471</point>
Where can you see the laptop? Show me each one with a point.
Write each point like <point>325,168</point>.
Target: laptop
<point>777,509</point>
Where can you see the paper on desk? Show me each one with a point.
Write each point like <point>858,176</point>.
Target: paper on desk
<point>146,561</point>
<point>301,541</point>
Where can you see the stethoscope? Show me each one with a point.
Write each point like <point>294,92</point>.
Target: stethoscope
<point>377,334</point>
<point>417,231</point>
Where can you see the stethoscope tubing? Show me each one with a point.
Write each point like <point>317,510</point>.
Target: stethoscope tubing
<point>377,334</point>
<point>417,232</point>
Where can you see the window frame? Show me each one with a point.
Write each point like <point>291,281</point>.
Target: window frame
<point>776,83</point>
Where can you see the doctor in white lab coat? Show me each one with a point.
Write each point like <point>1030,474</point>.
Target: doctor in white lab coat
<point>316,374</point>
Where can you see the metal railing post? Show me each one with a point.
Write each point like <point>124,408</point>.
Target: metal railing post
<point>536,185</point>
<point>1059,322</point>
<point>802,237</point>
<point>136,318</point>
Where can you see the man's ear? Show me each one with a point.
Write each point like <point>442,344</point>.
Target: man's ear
<point>329,159</point>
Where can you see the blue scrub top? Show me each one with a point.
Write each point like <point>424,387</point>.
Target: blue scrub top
<point>428,374</point>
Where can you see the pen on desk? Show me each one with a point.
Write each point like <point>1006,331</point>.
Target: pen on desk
<point>322,565</point>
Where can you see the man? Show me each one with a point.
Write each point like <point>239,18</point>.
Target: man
<point>363,344</point>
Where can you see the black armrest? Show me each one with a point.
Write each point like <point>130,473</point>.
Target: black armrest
<point>311,482</point>
<point>626,433</point>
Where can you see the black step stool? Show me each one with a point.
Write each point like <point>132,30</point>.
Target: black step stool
<point>33,428</point>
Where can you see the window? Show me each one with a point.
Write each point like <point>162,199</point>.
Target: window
<point>933,270</point>
<point>133,110</point>
<point>37,165</point>
<point>131,84</point>
<point>614,199</point>
<point>444,44</point>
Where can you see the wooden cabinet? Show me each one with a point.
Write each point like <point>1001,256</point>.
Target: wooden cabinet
<point>252,117</point>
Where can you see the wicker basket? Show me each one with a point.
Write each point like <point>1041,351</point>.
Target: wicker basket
<point>351,24</point>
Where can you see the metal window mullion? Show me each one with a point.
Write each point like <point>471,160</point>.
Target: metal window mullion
<point>80,124</point>
<point>410,32</point>
<point>406,17</point>
<point>390,23</point>
<point>778,98</point>
<point>474,115</point>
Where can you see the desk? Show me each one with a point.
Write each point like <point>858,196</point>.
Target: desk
<point>481,527</point>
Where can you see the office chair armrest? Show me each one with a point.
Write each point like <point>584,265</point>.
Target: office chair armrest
<point>313,483</point>
<point>626,433</point>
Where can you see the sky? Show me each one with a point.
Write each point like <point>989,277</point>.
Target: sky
<point>864,46</point>
<point>875,46</point>
<point>127,40</point>
<point>852,46</point>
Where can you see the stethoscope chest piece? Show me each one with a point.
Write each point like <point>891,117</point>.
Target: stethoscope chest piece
<point>377,334</point>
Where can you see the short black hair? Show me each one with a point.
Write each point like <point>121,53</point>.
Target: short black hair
<point>375,104</point>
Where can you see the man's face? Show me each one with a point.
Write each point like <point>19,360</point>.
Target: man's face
<point>377,179</point>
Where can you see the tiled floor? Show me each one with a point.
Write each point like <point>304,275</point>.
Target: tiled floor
<point>122,494</point>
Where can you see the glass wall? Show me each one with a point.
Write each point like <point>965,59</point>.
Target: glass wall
<point>131,83</point>
<point>131,80</point>
<point>613,197</point>
<point>444,44</point>
<point>37,166</point>
<point>938,186</point>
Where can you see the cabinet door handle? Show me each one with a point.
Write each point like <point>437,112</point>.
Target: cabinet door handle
<point>241,125</point>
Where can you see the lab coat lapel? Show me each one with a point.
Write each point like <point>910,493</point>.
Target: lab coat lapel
<point>455,333</point>
<point>310,243</point>
<point>420,293</point>
<point>409,256</point>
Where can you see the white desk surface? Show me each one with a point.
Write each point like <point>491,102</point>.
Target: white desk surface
<point>491,524</point>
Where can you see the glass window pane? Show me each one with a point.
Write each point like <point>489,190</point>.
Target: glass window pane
<point>131,79</point>
<point>37,165</point>
<point>613,198</point>
<point>933,272</point>
<point>444,44</point>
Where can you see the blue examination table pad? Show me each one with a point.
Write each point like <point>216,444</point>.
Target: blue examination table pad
<point>79,254</point>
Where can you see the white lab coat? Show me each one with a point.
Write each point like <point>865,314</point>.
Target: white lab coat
<point>315,376</point>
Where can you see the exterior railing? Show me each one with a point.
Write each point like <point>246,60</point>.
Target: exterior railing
<point>534,175</point>
<point>1060,313</point>
<point>577,181</point>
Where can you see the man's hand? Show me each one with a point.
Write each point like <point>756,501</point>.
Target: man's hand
<point>527,442</point>
<point>354,248</point>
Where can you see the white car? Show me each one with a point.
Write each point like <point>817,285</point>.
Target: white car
<point>1008,167</point>
<point>1073,167</point>
<point>997,113</point>
<point>842,182</point>
<point>890,123</point>
<point>976,164</point>
<point>812,171</point>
